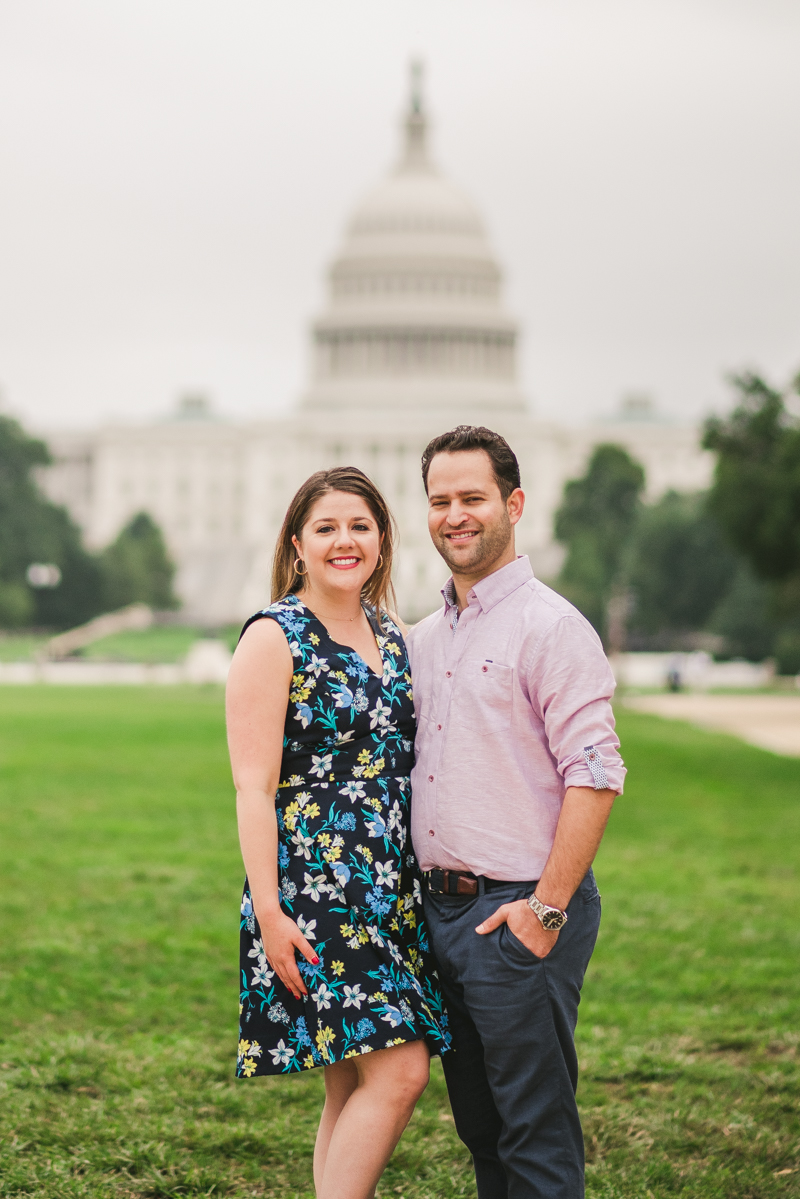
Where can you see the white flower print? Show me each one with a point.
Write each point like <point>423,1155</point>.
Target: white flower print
<point>262,975</point>
<point>396,953</point>
<point>380,715</point>
<point>317,666</point>
<point>395,816</point>
<point>322,998</point>
<point>389,673</point>
<point>282,1055</point>
<point>385,875</point>
<point>321,764</point>
<point>254,1050</point>
<point>393,1015</point>
<point>304,845</point>
<point>307,928</point>
<point>353,789</point>
<point>417,891</point>
<point>353,996</point>
<point>342,737</point>
<point>374,936</point>
<point>315,886</point>
<point>257,951</point>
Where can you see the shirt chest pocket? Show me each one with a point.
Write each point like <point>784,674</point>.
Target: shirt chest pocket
<point>483,698</point>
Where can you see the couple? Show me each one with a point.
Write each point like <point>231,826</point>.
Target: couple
<point>380,929</point>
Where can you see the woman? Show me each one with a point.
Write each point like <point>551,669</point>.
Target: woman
<point>335,965</point>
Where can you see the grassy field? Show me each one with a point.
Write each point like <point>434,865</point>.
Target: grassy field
<point>160,643</point>
<point>118,933</point>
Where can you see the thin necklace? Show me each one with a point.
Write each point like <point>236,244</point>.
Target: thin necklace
<point>322,616</point>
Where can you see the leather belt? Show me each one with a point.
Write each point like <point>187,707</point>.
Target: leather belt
<point>451,882</point>
<point>464,882</point>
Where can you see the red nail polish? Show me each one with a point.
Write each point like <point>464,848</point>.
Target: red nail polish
<point>315,961</point>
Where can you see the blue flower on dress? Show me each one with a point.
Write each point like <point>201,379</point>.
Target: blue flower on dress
<point>365,1028</point>
<point>346,822</point>
<point>376,826</point>
<point>301,1032</point>
<point>341,873</point>
<point>392,1014</point>
<point>343,695</point>
<point>377,901</point>
<point>283,856</point>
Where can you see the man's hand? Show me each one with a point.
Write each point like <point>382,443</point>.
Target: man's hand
<point>524,925</point>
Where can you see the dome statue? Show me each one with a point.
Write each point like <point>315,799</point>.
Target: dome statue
<point>414,320</point>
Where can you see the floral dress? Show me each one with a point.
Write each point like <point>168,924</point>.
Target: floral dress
<point>346,867</point>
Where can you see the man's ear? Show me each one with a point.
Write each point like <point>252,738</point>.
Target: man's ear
<point>516,505</point>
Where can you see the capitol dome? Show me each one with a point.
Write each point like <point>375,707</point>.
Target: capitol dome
<point>414,320</point>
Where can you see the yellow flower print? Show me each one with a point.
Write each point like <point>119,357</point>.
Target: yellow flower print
<point>332,855</point>
<point>308,1062</point>
<point>364,757</point>
<point>324,839</point>
<point>311,811</point>
<point>363,935</point>
<point>352,1053</point>
<point>393,647</point>
<point>398,1041</point>
<point>375,803</point>
<point>340,675</point>
<point>244,1047</point>
<point>313,638</point>
<point>248,1067</point>
<point>297,679</point>
<point>346,930</point>
<point>337,968</point>
<point>367,853</point>
<point>378,997</point>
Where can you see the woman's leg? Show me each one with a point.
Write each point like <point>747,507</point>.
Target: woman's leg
<point>390,1081</point>
<point>341,1080</point>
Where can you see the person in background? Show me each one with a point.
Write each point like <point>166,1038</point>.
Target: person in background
<point>336,970</point>
<point>517,768</point>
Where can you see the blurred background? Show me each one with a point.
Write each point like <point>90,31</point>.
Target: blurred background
<point>239,249</point>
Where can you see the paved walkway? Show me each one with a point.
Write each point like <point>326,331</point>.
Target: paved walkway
<point>768,721</point>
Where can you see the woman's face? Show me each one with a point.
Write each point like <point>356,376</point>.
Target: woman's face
<point>340,543</point>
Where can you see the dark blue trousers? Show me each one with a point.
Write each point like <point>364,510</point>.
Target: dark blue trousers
<point>513,1071</point>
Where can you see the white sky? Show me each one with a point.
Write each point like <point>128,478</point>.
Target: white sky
<point>175,175</point>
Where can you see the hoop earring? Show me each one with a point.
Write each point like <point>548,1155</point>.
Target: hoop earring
<point>380,561</point>
<point>299,572</point>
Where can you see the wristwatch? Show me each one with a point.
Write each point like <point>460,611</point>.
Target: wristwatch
<point>552,919</point>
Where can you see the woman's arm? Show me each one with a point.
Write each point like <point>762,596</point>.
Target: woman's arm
<point>256,700</point>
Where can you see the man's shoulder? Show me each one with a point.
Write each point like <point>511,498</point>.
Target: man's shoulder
<point>545,609</point>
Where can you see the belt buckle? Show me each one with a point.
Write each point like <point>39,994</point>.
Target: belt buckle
<point>436,887</point>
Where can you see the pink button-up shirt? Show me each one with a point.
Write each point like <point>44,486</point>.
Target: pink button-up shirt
<point>512,699</point>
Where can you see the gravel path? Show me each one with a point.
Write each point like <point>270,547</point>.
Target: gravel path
<point>768,721</point>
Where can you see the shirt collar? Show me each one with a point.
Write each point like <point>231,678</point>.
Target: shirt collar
<point>495,587</point>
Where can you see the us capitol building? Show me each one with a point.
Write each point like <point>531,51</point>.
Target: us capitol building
<point>413,340</point>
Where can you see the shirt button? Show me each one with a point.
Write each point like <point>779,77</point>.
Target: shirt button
<point>439,727</point>
<point>430,778</point>
<point>448,674</point>
<point>485,669</point>
<point>431,832</point>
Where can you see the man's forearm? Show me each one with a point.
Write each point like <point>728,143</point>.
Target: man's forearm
<point>583,819</point>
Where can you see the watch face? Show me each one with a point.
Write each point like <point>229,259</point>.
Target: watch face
<point>552,921</point>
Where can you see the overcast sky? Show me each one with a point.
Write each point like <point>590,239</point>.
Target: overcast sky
<point>175,176</point>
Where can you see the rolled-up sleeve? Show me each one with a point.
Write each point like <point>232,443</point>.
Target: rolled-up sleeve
<point>570,685</point>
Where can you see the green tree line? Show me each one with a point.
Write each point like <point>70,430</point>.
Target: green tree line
<point>720,567</point>
<point>135,567</point>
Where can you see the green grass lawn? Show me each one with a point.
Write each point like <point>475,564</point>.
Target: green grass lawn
<point>160,643</point>
<point>118,990</point>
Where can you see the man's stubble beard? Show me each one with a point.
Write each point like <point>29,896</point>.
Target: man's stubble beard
<point>490,544</point>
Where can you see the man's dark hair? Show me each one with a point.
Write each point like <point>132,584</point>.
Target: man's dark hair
<point>476,437</point>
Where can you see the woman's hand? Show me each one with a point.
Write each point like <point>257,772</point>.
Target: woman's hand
<point>280,937</point>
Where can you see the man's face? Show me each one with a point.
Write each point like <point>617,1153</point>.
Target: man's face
<point>470,523</point>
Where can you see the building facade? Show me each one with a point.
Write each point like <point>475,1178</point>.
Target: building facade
<point>414,339</point>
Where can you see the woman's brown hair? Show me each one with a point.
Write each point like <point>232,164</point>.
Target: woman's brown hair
<point>378,589</point>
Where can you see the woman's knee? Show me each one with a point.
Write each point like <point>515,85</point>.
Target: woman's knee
<point>403,1071</point>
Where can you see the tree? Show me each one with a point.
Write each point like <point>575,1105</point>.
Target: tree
<point>595,522</point>
<point>681,566</point>
<point>756,491</point>
<point>137,568</point>
<point>34,530</point>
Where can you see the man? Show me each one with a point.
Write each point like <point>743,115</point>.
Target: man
<point>516,771</point>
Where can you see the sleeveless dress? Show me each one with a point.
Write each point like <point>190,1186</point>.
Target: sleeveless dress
<point>347,872</point>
